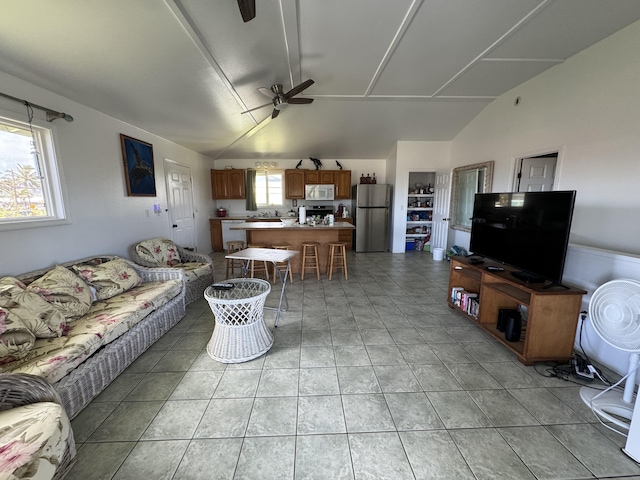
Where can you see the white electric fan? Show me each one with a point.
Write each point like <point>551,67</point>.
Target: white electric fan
<point>614,311</point>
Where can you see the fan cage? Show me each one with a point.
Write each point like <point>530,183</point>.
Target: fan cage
<point>614,311</point>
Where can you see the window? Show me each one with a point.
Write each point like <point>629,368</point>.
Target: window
<point>269,188</point>
<point>30,189</point>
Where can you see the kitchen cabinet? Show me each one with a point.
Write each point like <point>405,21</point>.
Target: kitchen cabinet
<point>215,230</point>
<point>228,184</point>
<point>342,181</point>
<point>318,177</point>
<point>549,314</point>
<point>346,235</point>
<point>294,181</point>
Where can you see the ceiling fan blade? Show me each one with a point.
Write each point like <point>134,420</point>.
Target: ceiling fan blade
<point>297,89</point>
<point>256,108</point>
<point>247,9</point>
<point>299,101</point>
<point>266,92</point>
<point>275,113</point>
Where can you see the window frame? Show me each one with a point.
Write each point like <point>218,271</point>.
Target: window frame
<point>266,173</point>
<point>51,172</point>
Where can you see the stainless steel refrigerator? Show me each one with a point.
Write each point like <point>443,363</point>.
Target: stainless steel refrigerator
<point>370,208</point>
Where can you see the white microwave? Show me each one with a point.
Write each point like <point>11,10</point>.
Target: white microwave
<point>319,192</point>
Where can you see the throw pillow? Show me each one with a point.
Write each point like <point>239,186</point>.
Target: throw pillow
<point>65,290</point>
<point>40,317</point>
<point>161,251</point>
<point>15,338</point>
<point>109,278</point>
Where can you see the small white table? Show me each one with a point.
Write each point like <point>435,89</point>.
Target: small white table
<point>268,255</point>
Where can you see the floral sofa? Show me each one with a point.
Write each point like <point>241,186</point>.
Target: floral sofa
<point>36,440</point>
<point>162,252</point>
<point>80,324</point>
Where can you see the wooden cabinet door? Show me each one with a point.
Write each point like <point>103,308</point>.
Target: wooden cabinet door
<point>312,177</point>
<point>342,181</point>
<point>219,186</point>
<point>326,177</point>
<point>215,227</point>
<point>236,184</point>
<point>294,184</point>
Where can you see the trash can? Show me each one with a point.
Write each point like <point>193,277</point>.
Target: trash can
<point>438,254</point>
<point>240,333</point>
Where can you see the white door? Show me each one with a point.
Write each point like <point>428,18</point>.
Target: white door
<point>441,210</point>
<point>536,174</point>
<point>180,199</point>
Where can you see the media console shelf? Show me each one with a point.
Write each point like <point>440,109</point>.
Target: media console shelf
<point>552,312</point>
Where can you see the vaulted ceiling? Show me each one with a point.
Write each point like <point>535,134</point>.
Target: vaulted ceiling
<point>384,70</point>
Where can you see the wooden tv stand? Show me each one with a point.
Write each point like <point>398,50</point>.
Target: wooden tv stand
<point>550,330</point>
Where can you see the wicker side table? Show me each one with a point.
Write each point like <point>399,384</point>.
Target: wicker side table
<point>240,333</point>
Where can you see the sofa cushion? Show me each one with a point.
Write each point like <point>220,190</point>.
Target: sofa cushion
<point>39,316</point>
<point>110,278</point>
<point>65,290</point>
<point>194,270</point>
<point>34,440</point>
<point>160,251</point>
<point>16,340</point>
<point>105,321</point>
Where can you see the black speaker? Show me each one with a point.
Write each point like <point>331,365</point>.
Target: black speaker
<point>503,317</point>
<point>514,328</point>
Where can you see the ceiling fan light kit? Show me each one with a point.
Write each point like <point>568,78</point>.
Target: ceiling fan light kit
<point>614,311</point>
<point>281,100</point>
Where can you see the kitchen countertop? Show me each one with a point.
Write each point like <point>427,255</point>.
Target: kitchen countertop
<point>295,226</point>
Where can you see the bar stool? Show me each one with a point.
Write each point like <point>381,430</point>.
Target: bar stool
<point>282,266</point>
<point>337,259</point>
<point>259,267</point>
<point>232,247</point>
<point>310,258</point>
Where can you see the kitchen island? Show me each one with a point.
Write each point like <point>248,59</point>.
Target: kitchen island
<point>273,233</point>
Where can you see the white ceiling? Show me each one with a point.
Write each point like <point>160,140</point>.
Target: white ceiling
<point>384,70</point>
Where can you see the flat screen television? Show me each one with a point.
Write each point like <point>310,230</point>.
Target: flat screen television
<point>528,231</point>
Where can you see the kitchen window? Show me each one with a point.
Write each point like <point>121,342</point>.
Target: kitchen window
<point>30,187</point>
<point>269,188</point>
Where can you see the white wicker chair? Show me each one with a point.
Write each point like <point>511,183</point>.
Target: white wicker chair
<point>195,283</point>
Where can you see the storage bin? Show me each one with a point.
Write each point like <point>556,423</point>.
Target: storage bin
<point>410,245</point>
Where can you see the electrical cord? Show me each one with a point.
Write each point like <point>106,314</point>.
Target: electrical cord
<point>585,358</point>
<point>611,387</point>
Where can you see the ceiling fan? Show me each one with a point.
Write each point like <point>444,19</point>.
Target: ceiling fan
<point>281,100</point>
<point>247,9</point>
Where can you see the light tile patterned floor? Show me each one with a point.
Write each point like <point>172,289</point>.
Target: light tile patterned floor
<point>374,377</point>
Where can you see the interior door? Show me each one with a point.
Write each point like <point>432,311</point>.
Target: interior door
<point>536,174</point>
<point>441,210</point>
<point>180,200</point>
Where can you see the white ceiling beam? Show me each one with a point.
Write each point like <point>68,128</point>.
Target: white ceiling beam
<point>404,25</point>
<point>291,29</point>
<point>491,47</point>
<point>186,22</point>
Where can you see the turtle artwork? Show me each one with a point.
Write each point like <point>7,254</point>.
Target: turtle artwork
<point>139,170</point>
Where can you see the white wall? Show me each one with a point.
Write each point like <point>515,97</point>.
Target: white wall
<point>103,219</point>
<point>413,157</point>
<point>588,109</point>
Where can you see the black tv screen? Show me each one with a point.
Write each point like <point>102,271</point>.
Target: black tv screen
<point>529,231</point>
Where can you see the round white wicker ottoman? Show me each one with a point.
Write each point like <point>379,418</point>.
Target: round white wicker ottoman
<point>240,333</point>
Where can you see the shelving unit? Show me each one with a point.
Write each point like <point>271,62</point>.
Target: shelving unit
<point>552,312</point>
<point>419,222</point>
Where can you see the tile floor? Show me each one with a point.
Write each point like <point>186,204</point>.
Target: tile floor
<point>374,377</point>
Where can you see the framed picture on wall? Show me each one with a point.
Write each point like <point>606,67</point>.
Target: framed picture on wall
<point>139,171</point>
